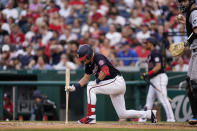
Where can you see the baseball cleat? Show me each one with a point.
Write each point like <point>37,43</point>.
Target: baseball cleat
<point>171,120</point>
<point>87,120</point>
<point>142,120</point>
<point>192,121</point>
<point>153,116</point>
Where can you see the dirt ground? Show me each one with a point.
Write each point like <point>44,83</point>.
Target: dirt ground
<point>61,125</point>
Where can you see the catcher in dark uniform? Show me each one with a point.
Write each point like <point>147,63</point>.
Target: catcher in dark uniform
<point>188,8</point>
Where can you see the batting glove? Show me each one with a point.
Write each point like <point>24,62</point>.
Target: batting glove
<point>73,87</point>
<point>70,88</point>
<point>144,76</point>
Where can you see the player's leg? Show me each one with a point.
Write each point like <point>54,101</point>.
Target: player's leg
<point>149,101</point>
<point>161,83</point>
<point>150,98</point>
<point>118,102</point>
<point>105,87</point>
<point>192,86</point>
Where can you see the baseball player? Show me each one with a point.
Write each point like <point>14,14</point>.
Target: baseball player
<point>109,82</point>
<point>188,8</point>
<point>158,78</point>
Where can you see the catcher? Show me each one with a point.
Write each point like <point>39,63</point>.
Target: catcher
<point>188,8</point>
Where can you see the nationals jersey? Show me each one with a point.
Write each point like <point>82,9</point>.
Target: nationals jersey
<point>154,58</point>
<point>100,62</point>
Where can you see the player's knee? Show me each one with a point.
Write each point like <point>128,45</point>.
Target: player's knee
<point>91,83</point>
<point>122,115</point>
<point>90,86</point>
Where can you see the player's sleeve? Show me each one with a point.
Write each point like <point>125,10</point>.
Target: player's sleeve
<point>193,19</point>
<point>88,70</point>
<point>103,66</point>
<point>157,58</point>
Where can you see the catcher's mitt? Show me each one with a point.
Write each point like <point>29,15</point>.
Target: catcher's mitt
<point>177,49</point>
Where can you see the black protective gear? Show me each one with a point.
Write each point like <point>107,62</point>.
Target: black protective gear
<point>189,27</point>
<point>194,88</point>
<point>190,39</point>
<point>85,52</point>
<point>191,95</point>
<point>184,8</point>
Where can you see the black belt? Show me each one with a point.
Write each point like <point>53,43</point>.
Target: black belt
<point>194,50</point>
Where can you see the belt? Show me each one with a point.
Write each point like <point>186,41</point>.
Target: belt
<point>194,50</point>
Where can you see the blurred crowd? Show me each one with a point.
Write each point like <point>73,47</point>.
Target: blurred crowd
<point>45,34</point>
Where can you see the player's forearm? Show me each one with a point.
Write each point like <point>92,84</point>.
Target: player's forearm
<point>101,75</point>
<point>84,80</point>
<point>157,67</point>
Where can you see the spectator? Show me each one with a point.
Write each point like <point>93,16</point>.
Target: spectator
<point>5,58</point>
<point>95,34</point>
<point>39,52</point>
<point>77,27</point>
<point>127,56</point>
<point>46,34</point>
<point>56,51</point>
<point>141,51</point>
<point>65,63</point>
<point>85,38</point>
<point>42,64</point>
<point>68,35</point>
<point>181,66</point>
<point>123,8</point>
<point>35,22</point>
<point>35,6</point>
<point>76,4</point>
<point>3,33</point>
<point>135,21</point>
<point>65,11</point>
<point>105,48</point>
<point>144,33</point>
<point>104,26</point>
<point>27,57</point>
<point>10,11</point>
<point>16,36</point>
<point>113,35</point>
<point>115,18</point>
<point>15,63</point>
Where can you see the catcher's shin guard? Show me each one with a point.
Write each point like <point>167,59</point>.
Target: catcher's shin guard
<point>190,93</point>
<point>194,100</point>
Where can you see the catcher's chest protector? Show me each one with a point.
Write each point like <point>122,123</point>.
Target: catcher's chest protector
<point>188,24</point>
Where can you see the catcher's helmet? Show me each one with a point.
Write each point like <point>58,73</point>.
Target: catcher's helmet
<point>184,5</point>
<point>85,52</point>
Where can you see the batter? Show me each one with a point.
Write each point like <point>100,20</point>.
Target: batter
<point>109,82</point>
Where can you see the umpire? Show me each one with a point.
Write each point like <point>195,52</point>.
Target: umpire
<point>188,8</point>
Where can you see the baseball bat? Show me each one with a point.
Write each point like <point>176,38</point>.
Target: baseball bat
<point>67,80</point>
<point>149,82</point>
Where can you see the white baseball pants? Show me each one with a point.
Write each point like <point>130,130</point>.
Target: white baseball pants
<point>160,81</point>
<point>116,89</point>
